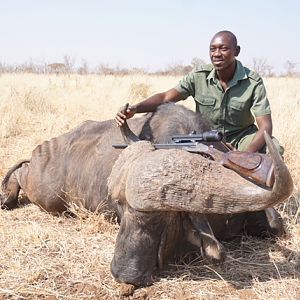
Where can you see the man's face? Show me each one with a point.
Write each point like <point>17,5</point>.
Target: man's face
<point>222,52</point>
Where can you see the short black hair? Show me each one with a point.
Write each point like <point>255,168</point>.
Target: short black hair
<point>228,33</point>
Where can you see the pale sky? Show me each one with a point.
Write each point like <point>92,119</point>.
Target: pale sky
<point>148,34</point>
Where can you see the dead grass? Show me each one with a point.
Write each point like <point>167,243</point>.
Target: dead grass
<point>46,257</point>
<point>43,255</point>
<point>139,91</point>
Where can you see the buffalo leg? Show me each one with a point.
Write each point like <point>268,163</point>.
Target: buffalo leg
<point>210,247</point>
<point>11,192</point>
<point>11,186</point>
<point>264,223</point>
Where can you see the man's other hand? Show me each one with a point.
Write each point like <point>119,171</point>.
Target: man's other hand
<point>125,112</point>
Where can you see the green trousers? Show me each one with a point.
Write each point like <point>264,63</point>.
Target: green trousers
<point>242,140</point>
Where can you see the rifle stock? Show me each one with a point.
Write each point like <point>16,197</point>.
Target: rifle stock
<point>255,166</point>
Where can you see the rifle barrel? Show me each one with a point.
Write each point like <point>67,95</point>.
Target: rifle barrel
<point>164,146</point>
<point>207,136</point>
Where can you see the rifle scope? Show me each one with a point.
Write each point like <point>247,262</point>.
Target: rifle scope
<point>206,136</point>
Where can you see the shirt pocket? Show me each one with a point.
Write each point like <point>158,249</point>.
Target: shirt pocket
<point>206,100</point>
<point>237,105</point>
<point>206,105</point>
<point>239,113</point>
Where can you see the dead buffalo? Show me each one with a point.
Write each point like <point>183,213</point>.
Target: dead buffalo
<point>163,198</point>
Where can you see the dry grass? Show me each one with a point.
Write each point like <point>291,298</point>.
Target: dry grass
<point>45,257</point>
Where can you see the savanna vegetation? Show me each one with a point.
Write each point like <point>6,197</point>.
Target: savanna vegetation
<point>47,257</point>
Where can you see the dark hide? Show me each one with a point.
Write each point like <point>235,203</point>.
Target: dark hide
<point>75,166</point>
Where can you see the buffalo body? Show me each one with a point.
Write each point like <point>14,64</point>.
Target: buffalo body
<point>75,168</point>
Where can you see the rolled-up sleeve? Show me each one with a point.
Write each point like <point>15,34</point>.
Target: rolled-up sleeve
<point>261,105</point>
<point>186,86</point>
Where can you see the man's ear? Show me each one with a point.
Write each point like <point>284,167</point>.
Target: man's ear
<point>237,50</point>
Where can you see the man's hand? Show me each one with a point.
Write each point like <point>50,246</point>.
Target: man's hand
<point>148,105</point>
<point>125,112</point>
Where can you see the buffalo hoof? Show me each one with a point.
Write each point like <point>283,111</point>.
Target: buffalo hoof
<point>275,221</point>
<point>2,201</point>
<point>265,224</point>
<point>213,252</point>
<point>7,203</point>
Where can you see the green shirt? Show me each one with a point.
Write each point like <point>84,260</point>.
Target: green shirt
<point>231,111</point>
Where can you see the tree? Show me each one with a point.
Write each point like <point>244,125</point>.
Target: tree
<point>84,68</point>
<point>104,69</point>
<point>290,69</point>
<point>69,63</point>
<point>197,62</point>
<point>57,68</point>
<point>260,66</point>
<point>177,68</point>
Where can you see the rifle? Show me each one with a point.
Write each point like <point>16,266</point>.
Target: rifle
<point>257,167</point>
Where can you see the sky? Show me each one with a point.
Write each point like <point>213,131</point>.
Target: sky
<point>146,34</point>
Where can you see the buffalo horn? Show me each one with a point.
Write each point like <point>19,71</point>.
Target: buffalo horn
<point>175,180</point>
<point>128,136</point>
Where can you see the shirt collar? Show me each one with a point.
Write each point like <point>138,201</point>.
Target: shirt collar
<point>239,74</point>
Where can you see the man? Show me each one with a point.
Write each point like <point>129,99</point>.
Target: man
<point>230,95</point>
